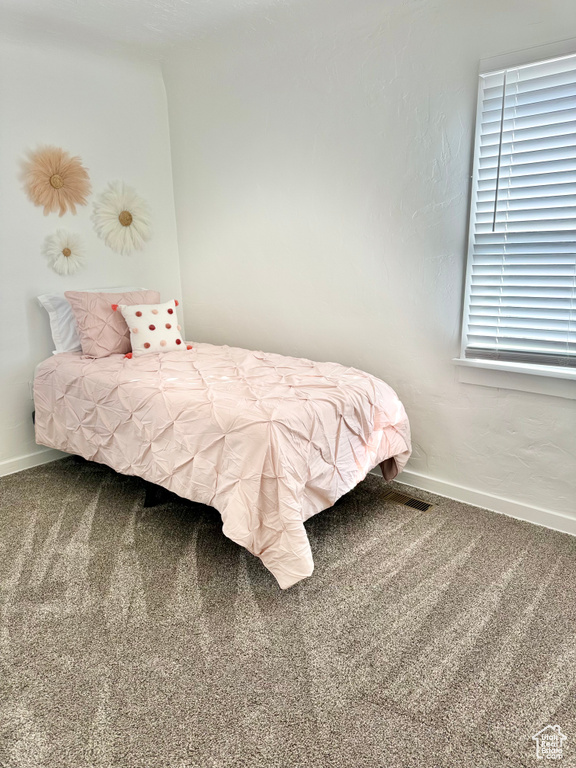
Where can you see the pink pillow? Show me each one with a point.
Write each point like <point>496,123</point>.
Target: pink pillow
<point>103,331</point>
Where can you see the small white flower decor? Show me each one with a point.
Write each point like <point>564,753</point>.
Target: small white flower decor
<point>122,218</point>
<point>64,251</point>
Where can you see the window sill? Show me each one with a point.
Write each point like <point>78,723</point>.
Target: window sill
<point>541,379</point>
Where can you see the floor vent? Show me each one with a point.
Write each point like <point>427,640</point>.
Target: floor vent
<point>408,501</point>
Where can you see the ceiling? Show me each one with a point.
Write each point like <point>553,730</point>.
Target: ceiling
<point>142,26</point>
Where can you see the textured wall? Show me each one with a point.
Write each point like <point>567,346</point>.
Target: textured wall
<point>112,112</point>
<point>321,165</point>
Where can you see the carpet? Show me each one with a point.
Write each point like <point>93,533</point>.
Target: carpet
<point>143,638</point>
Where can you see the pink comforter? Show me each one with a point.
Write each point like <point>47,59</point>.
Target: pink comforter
<point>267,440</point>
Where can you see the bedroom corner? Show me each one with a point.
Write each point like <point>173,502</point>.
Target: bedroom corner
<point>109,108</point>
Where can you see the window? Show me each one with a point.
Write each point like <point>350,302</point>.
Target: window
<point>520,304</point>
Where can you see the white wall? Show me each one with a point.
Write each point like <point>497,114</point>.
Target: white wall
<point>112,113</point>
<point>321,164</point>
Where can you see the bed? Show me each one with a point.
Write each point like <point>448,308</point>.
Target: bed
<point>267,440</point>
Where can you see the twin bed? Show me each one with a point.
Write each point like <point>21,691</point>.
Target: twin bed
<point>267,440</point>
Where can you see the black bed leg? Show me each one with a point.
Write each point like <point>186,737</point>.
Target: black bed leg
<point>154,494</point>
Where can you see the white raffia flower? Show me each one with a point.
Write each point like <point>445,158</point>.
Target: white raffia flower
<point>122,218</point>
<point>64,251</point>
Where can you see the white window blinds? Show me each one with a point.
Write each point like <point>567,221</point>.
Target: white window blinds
<point>521,293</point>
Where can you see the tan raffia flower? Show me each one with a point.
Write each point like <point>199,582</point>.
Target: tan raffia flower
<point>55,180</point>
<point>64,251</point>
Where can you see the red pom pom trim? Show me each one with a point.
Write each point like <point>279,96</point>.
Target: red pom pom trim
<point>114,307</point>
<point>188,346</point>
<point>129,356</point>
<point>176,302</point>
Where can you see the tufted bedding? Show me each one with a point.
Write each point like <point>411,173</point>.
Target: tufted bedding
<point>267,440</point>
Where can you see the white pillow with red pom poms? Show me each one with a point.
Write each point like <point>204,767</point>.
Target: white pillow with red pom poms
<point>153,327</point>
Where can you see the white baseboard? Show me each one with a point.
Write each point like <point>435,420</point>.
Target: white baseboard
<point>549,519</point>
<point>30,460</point>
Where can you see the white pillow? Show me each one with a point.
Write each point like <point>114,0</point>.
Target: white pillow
<point>153,327</point>
<point>62,320</point>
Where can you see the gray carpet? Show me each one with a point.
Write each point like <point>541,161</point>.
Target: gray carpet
<point>142,638</point>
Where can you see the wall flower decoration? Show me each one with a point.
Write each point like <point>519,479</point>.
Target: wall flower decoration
<point>64,251</point>
<point>122,218</point>
<point>55,180</point>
